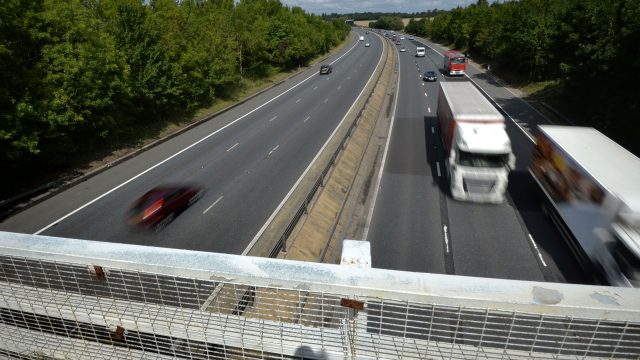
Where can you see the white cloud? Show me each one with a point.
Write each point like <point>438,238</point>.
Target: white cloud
<point>354,6</point>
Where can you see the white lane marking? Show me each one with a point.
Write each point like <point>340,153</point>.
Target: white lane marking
<point>327,99</point>
<point>304,173</point>
<point>339,87</point>
<point>307,118</point>
<point>273,118</point>
<point>425,94</point>
<point>274,149</point>
<point>433,131</point>
<point>297,101</point>
<point>422,84</point>
<point>538,251</point>
<point>376,188</point>
<point>429,109</point>
<point>231,148</point>
<point>212,205</point>
<point>186,148</point>
<point>315,87</point>
<point>438,168</point>
<point>446,237</point>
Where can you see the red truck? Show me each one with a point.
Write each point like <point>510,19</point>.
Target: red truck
<point>454,62</point>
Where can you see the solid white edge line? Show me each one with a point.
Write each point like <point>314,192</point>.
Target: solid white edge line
<point>212,205</point>
<point>537,250</point>
<point>378,183</point>
<point>304,173</point>
<point>185,149</point>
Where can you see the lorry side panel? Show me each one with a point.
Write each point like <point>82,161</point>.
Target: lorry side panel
<point>446,121</point>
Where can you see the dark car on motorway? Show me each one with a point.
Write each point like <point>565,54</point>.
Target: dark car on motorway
<point>326,69</point>
<point>160,205</point>
<point>430,76</point>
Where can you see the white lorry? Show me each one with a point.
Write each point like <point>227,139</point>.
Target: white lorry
<point>591,188</point>
<point>477,148</point>
<point>420,51</point>
<point>361,38</point>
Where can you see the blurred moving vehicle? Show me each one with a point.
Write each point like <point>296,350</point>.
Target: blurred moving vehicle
<point>160,205</point>
<point>589,187</point>
<point>403,49</point>
<point>420,51</point>
<point>367,45</point>
<point>430,76</point>
<point>326,69</point>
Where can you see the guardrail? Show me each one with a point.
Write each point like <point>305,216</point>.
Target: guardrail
<point>68,298</point>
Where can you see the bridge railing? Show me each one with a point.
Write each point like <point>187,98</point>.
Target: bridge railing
<point>67,298</point>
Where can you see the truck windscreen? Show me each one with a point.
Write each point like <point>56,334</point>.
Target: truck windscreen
<point>482,160</point>
<point>458,60</point>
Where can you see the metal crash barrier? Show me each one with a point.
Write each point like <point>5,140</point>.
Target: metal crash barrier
<point>75,299</point>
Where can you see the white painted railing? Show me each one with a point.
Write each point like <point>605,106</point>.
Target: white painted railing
<point>66,298</point>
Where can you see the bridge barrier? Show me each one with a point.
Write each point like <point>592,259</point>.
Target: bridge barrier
<point>76,299</point>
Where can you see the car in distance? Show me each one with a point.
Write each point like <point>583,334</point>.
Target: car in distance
<point>367,45</point>
<point>430,75</point>
<point>403,49</point>
<point>326,69</point>
<point>411,38</point>
<point>397,42</point>
<point>401,37</point>
<point>159,206</point>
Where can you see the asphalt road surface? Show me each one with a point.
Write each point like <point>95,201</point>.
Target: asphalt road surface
<point>247,159</point>
<point>417,226</point>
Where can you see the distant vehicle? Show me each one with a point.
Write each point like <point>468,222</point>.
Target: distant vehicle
<point>590,188</point>
<point>454,62</point>
<point>403,49</point>
<point>411,38</point>
<point>367,45</point>
<point>366,32</point>
<point>477,148</point>
<point>420,51</point>
<point>401,37</point>
<point>430,76</point>
<point>397,42</point>
<point>326,69</point>
<point>361,38</point>
<point>160,205</point>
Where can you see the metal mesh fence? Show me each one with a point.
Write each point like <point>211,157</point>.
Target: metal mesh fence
<point>208,306</point>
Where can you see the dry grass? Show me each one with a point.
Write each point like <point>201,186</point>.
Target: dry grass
<point>365,23</point>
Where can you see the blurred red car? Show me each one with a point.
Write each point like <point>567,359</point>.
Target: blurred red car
<point>159,206</point>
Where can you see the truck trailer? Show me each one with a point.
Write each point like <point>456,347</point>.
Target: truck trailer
<point>477,148</point>
<point>591,191</point>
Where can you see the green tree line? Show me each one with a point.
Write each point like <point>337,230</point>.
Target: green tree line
<point>78,74</point>
<point>590,48</point>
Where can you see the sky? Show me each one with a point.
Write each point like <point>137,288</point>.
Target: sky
<point>353,6</point>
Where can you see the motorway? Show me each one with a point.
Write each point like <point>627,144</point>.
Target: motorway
<point>416,226</point>
<point>247,159</point>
